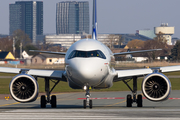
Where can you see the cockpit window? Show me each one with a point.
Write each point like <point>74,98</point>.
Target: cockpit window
<point>87,54</point>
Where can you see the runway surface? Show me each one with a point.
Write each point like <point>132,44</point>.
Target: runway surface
<point>106,105</point>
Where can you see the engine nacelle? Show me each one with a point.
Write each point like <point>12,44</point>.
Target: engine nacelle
<point>156,87</point>
<point>24,88</point>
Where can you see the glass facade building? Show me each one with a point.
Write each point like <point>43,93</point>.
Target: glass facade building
<point>72,17</point>
<point>27,16</point>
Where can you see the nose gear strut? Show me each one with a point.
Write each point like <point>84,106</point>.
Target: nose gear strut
<point>87,101</point>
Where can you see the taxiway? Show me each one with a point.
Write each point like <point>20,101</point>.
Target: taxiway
<point>106,105</point>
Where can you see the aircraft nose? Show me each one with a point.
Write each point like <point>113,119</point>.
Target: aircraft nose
<point>86,71</point>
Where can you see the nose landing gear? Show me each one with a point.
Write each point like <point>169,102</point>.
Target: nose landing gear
<point>87,101</point>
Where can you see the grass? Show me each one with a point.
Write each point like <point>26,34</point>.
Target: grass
<point>141,65</point>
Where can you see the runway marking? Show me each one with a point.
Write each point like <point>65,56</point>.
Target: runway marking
<point>89,118</point>
<point>103,98</point>
<point>47,116</point>
<point>19,102</point>
<point>116,103</point>
<point>66,99</point>
<point>174,98</point>
<point>106,98</point>
<point>9,104</point>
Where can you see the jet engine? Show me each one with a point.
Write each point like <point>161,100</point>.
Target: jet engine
<point>156,87</point>
<point>24,88</point>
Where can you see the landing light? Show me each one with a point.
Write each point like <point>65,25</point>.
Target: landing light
<point>85,88</point>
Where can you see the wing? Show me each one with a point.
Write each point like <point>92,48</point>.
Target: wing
<point>133,72</point>
<point>125,74</point>
<point>49,52</point>
<point>132,52</point>
<point>34,72</point>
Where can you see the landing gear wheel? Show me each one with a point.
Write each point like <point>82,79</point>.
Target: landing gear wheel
<point>43,101</point>
<point>139,101</point>
<point>129,101</point>
<point>90,104</point>
<point>53,101</point>
<point>84,104</point>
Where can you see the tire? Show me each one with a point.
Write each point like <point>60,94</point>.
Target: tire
<point>129,101</point>
<point>43,101</point>
<point>53,101</point>
<point>84,104</point>
<point>139,101</point>
<point>90,104</point>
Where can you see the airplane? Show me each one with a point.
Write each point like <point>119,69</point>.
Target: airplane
<point>88,66</point>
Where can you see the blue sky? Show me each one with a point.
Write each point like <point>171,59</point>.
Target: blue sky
<point>114,16</point>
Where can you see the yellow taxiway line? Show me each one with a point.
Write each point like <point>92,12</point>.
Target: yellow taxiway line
<point>19,102</point>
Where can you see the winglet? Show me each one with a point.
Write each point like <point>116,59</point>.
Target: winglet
<point>94,30</point>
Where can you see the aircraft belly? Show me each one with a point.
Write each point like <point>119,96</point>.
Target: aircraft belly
<point>93,81</point>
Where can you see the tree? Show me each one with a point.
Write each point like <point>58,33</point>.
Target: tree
<point>113,40</point>
<point>134,44</point>
<point>175,52</point>
<point>20,38</point>
<point>6,44</point>
<point>121,40</point>
<point>159,42</point>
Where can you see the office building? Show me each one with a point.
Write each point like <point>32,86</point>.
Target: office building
<point>147,33</point>
<point>66,40</point>
<point>27,16</point>
<point>72,17</point>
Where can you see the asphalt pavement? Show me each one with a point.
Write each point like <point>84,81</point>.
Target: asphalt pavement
<point>106,105</point>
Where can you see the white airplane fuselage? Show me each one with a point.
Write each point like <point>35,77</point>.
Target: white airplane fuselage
<point>88,63</point>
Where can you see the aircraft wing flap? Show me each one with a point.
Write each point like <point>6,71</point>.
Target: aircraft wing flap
<point>46,73</point>
<point>170,68</point>
<point>10,70</point>
<point>133,72</point>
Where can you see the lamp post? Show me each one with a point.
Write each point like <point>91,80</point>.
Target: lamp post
<point>14,48</point>
<point>20,50</point>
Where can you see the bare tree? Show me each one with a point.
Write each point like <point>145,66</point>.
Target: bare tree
<point>21,41</point>
<point>6,44</point>
<point>159,42</point>
<point>121,40</point>
<point>134,44</point>
<point>113,40</point>
<point>21,37</point>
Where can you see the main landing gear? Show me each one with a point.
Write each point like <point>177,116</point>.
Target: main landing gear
<point>87,101</point>
<point>46,99</point>
<point>136,98</point>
